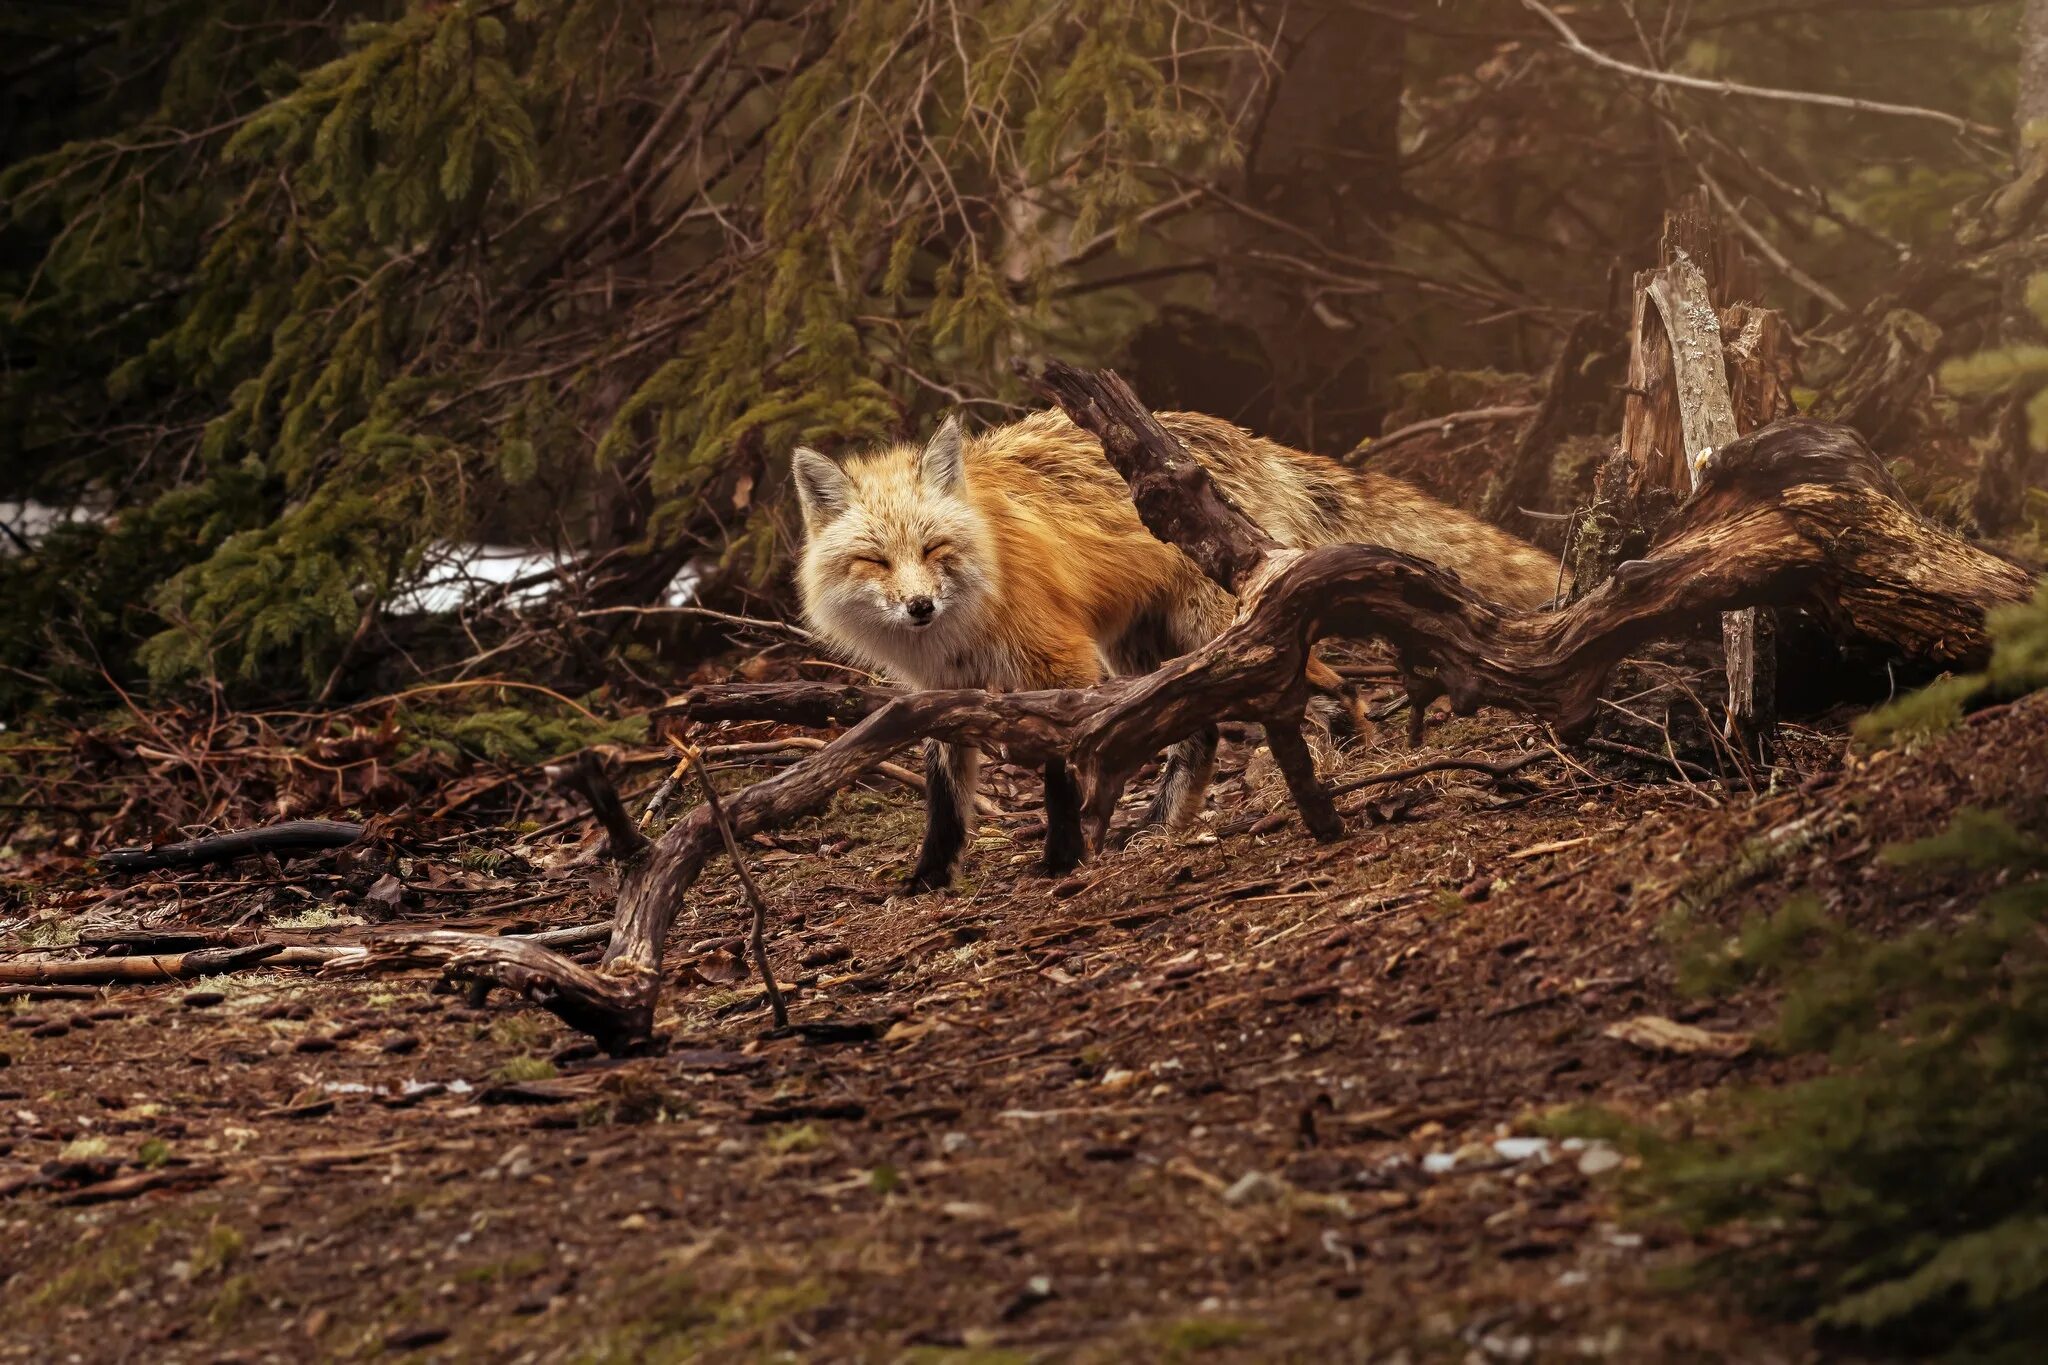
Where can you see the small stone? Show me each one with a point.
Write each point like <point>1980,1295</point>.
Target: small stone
<point>633,1222</point>
<point>1254,1187</point>
<point>200,1000</point>
<point>1598,1160</point>
<point>952,1144</point>
<point>414,1337</point>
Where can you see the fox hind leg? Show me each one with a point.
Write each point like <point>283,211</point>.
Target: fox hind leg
<point>1064,846</point>
<point>950,774</point>
<point>1184,781</point>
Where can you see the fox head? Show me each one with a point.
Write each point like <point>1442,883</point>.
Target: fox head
<point>897,562</point>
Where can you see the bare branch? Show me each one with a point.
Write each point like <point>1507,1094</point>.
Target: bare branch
<point>1578,46</point>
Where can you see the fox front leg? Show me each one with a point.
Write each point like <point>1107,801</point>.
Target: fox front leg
<point>950,775</point>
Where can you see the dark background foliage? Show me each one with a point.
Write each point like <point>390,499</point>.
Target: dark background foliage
<point>295,300</point>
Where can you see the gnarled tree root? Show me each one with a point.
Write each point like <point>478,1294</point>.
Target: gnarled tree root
<point>1797,514</point>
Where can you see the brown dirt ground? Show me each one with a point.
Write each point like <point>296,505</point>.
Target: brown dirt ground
<point>1015,1123</point>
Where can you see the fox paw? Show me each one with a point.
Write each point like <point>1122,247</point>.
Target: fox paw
<point>927,879</point>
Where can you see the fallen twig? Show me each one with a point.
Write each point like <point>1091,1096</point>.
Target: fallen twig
<point>1439,765</point>
<point>293,836</point>
<point>156,967</point>
<point>758,937</point>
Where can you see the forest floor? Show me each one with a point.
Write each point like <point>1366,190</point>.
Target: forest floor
<point>1240,1096</point>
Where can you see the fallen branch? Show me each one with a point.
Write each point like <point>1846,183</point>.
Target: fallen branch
<point>293,836</point>
<point>1439,426</point>
<point>103,971</point>
<point>1439,765</point>
<point>758,938</point>
<point>1800,513</point>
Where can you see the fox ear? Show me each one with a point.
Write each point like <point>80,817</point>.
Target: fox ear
<point>821,488</point>
<point>941,462</point>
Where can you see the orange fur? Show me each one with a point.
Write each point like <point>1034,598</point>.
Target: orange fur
<point>1015,559</point>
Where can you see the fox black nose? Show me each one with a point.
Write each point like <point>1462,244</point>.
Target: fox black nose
<point>920,608</point>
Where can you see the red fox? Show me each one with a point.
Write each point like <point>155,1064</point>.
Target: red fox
<point>1015,560</point>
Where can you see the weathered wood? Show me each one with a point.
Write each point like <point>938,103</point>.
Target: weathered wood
<point>1174,495</point>
<point>292,836</point>
<point>1762,359</point>
<point>1703,370</point>
<point>152,967</point>
<point>1800,514</point>
<point>1652,438</point>
<point>1762,367</point>
<point>1706,414</point>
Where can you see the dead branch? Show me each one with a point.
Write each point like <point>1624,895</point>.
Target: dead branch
<point>292,836</point>
<point>1439,426</point>
<point>758,938</point>
<point>1800,514</point>
<point>1440,765</point>
<point>103,971</point>
<point>585,777</point>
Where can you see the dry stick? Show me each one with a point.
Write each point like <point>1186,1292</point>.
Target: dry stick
<point>1440,765</point>
<point>157,967</point>
<point>1615,746</point>
<point>794,634</point>
<point>1577,45</point>
<point>759,937</point>
<point>1506,412</point>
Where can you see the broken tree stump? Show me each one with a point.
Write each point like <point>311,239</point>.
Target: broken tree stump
<point>1704,369</point>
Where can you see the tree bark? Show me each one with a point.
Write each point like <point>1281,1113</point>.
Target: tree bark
<point>2032,105</point>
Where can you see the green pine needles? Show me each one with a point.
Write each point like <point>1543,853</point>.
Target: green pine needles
<point>1899,1197</point>
<point>366,282</point>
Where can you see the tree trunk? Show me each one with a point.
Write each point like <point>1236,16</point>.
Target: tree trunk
<point>1280,352</point>
<point>2032,105</point>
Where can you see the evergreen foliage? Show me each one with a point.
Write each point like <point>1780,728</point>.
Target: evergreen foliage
<point>2018,665</point>
<point>1899,1196</point>
<point>287,298</point>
